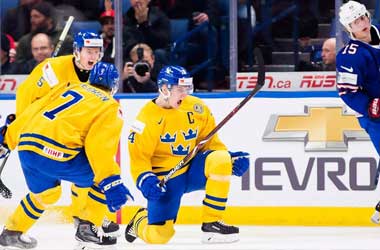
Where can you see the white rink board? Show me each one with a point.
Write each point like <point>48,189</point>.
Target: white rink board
<point>274,81</point>
<point>244,132</point>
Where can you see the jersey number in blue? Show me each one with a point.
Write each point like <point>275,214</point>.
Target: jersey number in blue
<point>76,98</point>
<point>131,137</point>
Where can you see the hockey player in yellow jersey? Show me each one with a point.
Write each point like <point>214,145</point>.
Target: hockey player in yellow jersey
<point>71,134</point>
<point>165,131</point>
<point>52,72</point>
<point>88,50</point>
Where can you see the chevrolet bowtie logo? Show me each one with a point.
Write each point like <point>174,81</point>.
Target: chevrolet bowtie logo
<point>321,128</point>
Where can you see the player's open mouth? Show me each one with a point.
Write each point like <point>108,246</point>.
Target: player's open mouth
<point>365,29</point>
<point>179,102</point>
<point>91,63</point>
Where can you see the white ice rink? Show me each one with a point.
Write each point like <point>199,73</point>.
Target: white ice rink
<point>52,236</point>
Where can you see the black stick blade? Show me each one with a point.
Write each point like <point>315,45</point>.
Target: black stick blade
<point>4,191</point>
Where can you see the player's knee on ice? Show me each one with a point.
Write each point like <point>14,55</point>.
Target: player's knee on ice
<point>159,234</point>
<point>218,165</point>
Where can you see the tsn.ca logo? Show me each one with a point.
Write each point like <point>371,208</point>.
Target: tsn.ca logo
<point>249,82</point>
<point>289,80</point>
<point>7,84</point>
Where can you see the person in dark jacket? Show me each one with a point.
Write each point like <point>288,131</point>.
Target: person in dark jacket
<point>146,24</point>
<point>42,47</point>
<point>140,73</point>
<point>42,21</point>
<point>107,20</point>
<point>16,21</point>
<point>6,66</point>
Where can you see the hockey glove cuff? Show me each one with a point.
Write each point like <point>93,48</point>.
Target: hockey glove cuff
<point>240,162</point>
<point>116,193</point>
<point>374,109</point>
<point>149,185</point>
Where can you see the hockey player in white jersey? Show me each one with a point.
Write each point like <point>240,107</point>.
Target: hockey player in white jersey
<point>358,76</point>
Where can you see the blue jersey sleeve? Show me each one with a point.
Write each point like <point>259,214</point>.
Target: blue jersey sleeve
<point>352,67</point>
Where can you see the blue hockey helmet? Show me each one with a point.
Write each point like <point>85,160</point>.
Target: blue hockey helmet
<point>175,75</point>
<point>87,39</point>
<point>105,75</point>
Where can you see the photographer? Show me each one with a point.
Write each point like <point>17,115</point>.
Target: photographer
<point>137,73</point>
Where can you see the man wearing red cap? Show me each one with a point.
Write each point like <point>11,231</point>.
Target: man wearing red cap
<point>107,20</point>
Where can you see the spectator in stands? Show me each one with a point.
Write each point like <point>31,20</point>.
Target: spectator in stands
<point>6,66</point>
<point>197,12</point>
<point>107,20</point>
<point>326,60</point>
<point>90,8</point>
<point>42,48</point>
<point>146,24</point>
<point>329,54</point>
<point>12,50</point>
<point>42,21</point>
<point>206,10</point>
<point>246,25</point>
<point>139,71</point>
<point>16,21</point>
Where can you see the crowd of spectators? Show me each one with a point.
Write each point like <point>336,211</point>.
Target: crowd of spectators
<point>32,28</point>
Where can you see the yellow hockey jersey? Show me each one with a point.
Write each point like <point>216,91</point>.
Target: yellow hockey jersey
<point>160,138</point>
<point>45,76</point>
<point>70,119</point>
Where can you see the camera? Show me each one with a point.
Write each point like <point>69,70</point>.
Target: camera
<point>141,66</point>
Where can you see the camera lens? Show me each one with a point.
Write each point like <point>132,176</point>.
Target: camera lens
<point>141,68</point>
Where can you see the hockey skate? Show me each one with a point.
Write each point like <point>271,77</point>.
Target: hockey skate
<point>375,218</point>
<point>90,236</point>
<point>219,232</point>
<point>16,240</point>
<point>109,228</point>
<point>130,234</point>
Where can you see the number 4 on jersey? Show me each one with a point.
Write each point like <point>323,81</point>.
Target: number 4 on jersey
<point>131,137</point>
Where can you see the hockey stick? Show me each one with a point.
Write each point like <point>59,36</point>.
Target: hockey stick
<point>63,36</point>
<point>259,85</point>
<point>4,191</point>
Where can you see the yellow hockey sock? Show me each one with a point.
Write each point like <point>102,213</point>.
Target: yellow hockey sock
<point>218,169</point>
<point>95,208</point>
<point>26,214</point>
<point>214,203</point>
<point>78,200</point>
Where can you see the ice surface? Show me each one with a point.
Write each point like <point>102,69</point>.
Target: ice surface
<point>61,236</point>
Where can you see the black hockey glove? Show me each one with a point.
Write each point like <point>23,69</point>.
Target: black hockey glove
<point>4,150</point>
